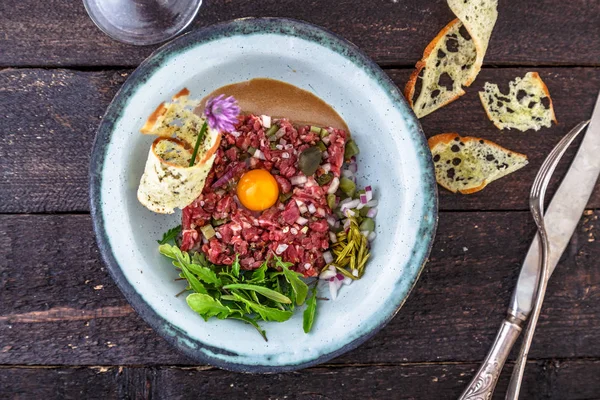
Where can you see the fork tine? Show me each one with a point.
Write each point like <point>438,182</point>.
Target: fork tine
<point>536,204</point>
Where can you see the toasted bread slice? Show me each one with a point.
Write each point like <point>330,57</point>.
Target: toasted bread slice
<point>453,58</point>
<point>479,18</point>
<point>523,107</point>
<point>468,164</point>
<point>443,58</point>
<point>168,181</point>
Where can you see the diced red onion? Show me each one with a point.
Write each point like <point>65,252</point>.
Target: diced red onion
<point>372,203</point>
<point>299,202</point>
<point>301,221</point>
<point>311,208</point>
<point>298,180</point>
<point>236,134</point>
<point>331,221</point>
<point>337,225</point>
<point>332,268</point>
<point>294,231</point>
<point>281,248</point>
<point>285,229</point>
<point>321,212</point>
<point>279,147</point>
<point>360,205</point>
<point>372,236</point>
<point>289,146</point>
<point>365,233</point>
<point>204,240</point>
<point>325,154</point>
<point>326,274</point>
<point>307,266</point>
<point>355,273</point>
<point>285,155</point>
<point>339,277</point>
<point>259,154</point>
<point>224,179</point>
<point>372,212</point>
<point>363,199</point>
<point>280,133</point>
<point>311,182</point>
<point>350,204</point>
<point>338,283</point>
<point>335,183</point>
<point>347,281</point>
<point>347,174</point>
<point>332,237</point>
<point>349,213</point>
<point>346,224</point>
<point>326,140</point>
<point>218,235</point>
<point>283,142</point>
<point>369,193</point>
<point>333,290</point>
<point>353,167</point>
<point>326,167</point>
<point>346,200</point>
<point>303,209</point>
<point>281,206</point>
<point>328,257</point>
<point>266,121</point>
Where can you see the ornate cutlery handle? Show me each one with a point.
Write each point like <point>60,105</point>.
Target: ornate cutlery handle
<point>483,383</point>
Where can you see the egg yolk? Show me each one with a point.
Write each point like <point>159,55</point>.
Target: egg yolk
<point>257,190</point>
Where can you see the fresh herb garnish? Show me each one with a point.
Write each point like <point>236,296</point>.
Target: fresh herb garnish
<point>250,296</point>
<point>170,235</point>
<point>299,288</point>
<point>310,312</point>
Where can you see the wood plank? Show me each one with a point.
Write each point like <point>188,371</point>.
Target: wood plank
<point>50,117</point>
<point>560,380</point>
<point>58,306</point>
<point>59,33</point>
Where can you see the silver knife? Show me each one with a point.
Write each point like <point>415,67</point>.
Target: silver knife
<point>561,219</point>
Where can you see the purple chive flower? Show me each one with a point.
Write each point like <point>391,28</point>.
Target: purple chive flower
<point>221,113</point>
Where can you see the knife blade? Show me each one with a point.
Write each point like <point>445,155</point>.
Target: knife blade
<point>561,219</point>
<point>562,216</point>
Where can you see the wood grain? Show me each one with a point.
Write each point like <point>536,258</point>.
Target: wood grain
<point>58,306</point>
<point>560,380</point>
<point>551,32</point>
<point>50,116</point>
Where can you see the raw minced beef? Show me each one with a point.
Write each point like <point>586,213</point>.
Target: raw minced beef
<point>256,236</point>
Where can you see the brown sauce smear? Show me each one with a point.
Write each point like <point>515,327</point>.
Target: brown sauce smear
<point>281,100</point>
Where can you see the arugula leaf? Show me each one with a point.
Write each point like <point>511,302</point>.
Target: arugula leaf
<point>268,293</point>
<point>252,322</point>
<point>200,259</point>
<point>205,274</point>
<point>171,252</point>
<point>235,267</point>
<point>169,235</point>
<point>193,281</point>
<point>310,312</point>
<point>208,307</point>
<point>266,313</point>
<point>182,259</point>
<point>258,276</point>
<point>299,288</point>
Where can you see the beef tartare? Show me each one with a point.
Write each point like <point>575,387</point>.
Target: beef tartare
<point>306,163</point>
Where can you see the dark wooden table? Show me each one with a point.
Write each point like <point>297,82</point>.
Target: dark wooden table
<point>67,332</point>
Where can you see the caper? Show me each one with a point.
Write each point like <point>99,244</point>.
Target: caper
<point>309,160</point>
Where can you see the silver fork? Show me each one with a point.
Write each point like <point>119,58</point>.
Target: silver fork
<point>536,205</point>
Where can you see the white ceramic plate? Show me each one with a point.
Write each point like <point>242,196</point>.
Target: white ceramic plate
<point>394,159</point>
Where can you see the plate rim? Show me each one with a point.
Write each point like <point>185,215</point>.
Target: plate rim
<point>304,30</point>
